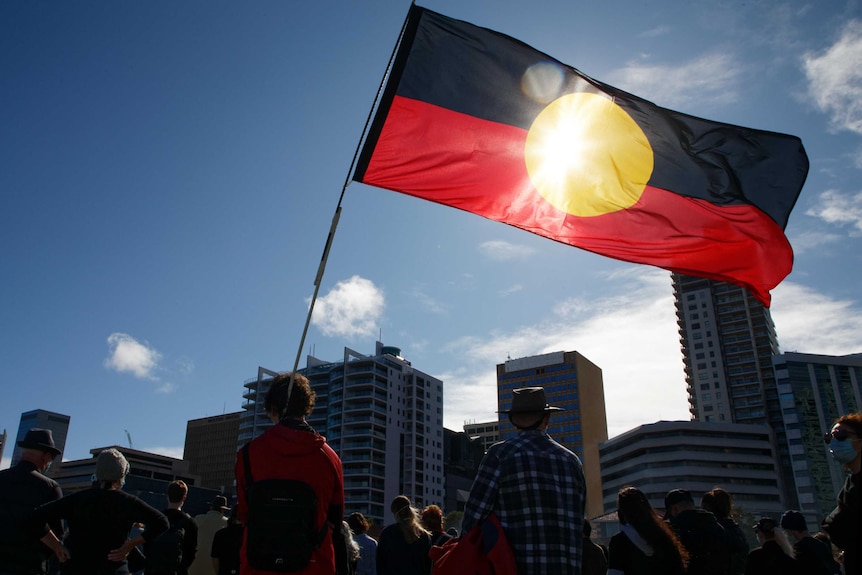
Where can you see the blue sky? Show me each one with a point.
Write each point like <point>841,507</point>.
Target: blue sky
<point>169,172</point>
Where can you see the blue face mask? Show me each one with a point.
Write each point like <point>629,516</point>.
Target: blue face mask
<point>842,450</point>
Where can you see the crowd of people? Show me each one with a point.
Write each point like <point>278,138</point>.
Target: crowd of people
<point>289,515</point>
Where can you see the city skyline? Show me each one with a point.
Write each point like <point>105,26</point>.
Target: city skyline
<point>170,174</point>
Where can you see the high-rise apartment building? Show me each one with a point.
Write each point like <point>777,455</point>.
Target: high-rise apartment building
<point>42,419</point>
<point>814,391</point>
<point>382,416</point>
<point>210,449</point>
<point>728,340</point>
<point>574,383</point>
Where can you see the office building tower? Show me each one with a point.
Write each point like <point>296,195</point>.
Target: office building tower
<point>696,456</point>
<point>210,449</point>
<point>462,454</point>
<point>728,340</point>
<point>382,416</point>
<point>488,432</point>
<point>42,419</point>
<point>574,383</point>
<point>815,390</point>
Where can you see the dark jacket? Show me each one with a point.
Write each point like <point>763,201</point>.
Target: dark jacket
<point>593,559</point>
<point>226,546</point>
<point>842,525</point>
<point>99,521</point>
<point>737,543</point>
<point>190,537</point>
<point>814,557</point>
<point>770,559</point>
<point>397,557</point>
<point>705,540</point>
<point>639,558</point>
<point>22,489</point>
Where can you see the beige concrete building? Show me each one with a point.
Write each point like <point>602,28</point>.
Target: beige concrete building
<point>574,383</point>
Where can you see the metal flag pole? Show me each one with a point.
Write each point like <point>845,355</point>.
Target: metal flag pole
<point>337,215</point>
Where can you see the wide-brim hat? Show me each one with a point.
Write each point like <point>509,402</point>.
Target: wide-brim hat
<point>41,439</point>
<point>220,503</point>
<point>530,400</point>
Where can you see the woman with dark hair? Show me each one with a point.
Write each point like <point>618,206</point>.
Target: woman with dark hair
<point>645,544</point>
<point>403,546</point>
<point>720,503</point>
<point>367,563</point>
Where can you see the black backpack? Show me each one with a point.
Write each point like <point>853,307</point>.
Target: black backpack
<point>164,554</point>
<point>280,525</point>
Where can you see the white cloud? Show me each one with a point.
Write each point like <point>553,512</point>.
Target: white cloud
<point>166,388</point>
<point>500,250</point>
<point>129,355</point>
<point>512,289</point>
<point>709,80</point>
<point>837,208</point>
<point>809,240</point>
<point>835,79</point>
<point>185,365</point>
<point>631,336</point>
<point>810,322</point>
<point>429,303</point>
<point>655,32</point>
<point>352,307</point>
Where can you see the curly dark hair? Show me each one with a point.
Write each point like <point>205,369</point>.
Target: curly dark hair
<point>301,401</point>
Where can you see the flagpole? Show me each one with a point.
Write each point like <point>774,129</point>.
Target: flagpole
<point>319,277</point>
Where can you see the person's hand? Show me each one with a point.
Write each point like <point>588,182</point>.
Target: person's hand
<point>121,553</point>
<point>62,554</point>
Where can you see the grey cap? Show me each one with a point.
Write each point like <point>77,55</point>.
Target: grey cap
<point>111,465</point>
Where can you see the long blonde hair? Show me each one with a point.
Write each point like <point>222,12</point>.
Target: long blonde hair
<point>407,518</point>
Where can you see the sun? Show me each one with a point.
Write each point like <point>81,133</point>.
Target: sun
<point>587,156</point>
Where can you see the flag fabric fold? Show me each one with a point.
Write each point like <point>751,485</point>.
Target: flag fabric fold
<point>479,121</point>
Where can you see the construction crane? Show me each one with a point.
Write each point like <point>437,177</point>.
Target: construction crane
<point>129,437</point>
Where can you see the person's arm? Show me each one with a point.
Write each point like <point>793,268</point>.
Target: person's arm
<point>239,474</point>
<point>190,542</point>
<point>335,515</point>
<point>46,522</point>
<point>155,523</point>
<point>120,553</point>
<point>483,493</point>
<point>54,544</point>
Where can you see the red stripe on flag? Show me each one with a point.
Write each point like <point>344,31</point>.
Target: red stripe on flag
<point>478,166</point>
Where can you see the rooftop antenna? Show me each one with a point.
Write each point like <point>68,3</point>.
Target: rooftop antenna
<point>129,437</point>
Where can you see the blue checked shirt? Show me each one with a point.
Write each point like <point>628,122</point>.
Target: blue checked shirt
<point>536,488</point>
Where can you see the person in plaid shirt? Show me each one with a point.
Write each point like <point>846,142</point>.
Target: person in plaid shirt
<point>536,488</point>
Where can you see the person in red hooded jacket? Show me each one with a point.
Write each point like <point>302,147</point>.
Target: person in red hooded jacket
<point>292,450</point>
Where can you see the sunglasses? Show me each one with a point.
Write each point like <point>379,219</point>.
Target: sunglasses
<point>840,435</point>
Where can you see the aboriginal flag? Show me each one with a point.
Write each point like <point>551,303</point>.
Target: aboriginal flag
<point>474,119</point>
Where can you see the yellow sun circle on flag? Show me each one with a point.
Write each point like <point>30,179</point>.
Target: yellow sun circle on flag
<point>586,156</point>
